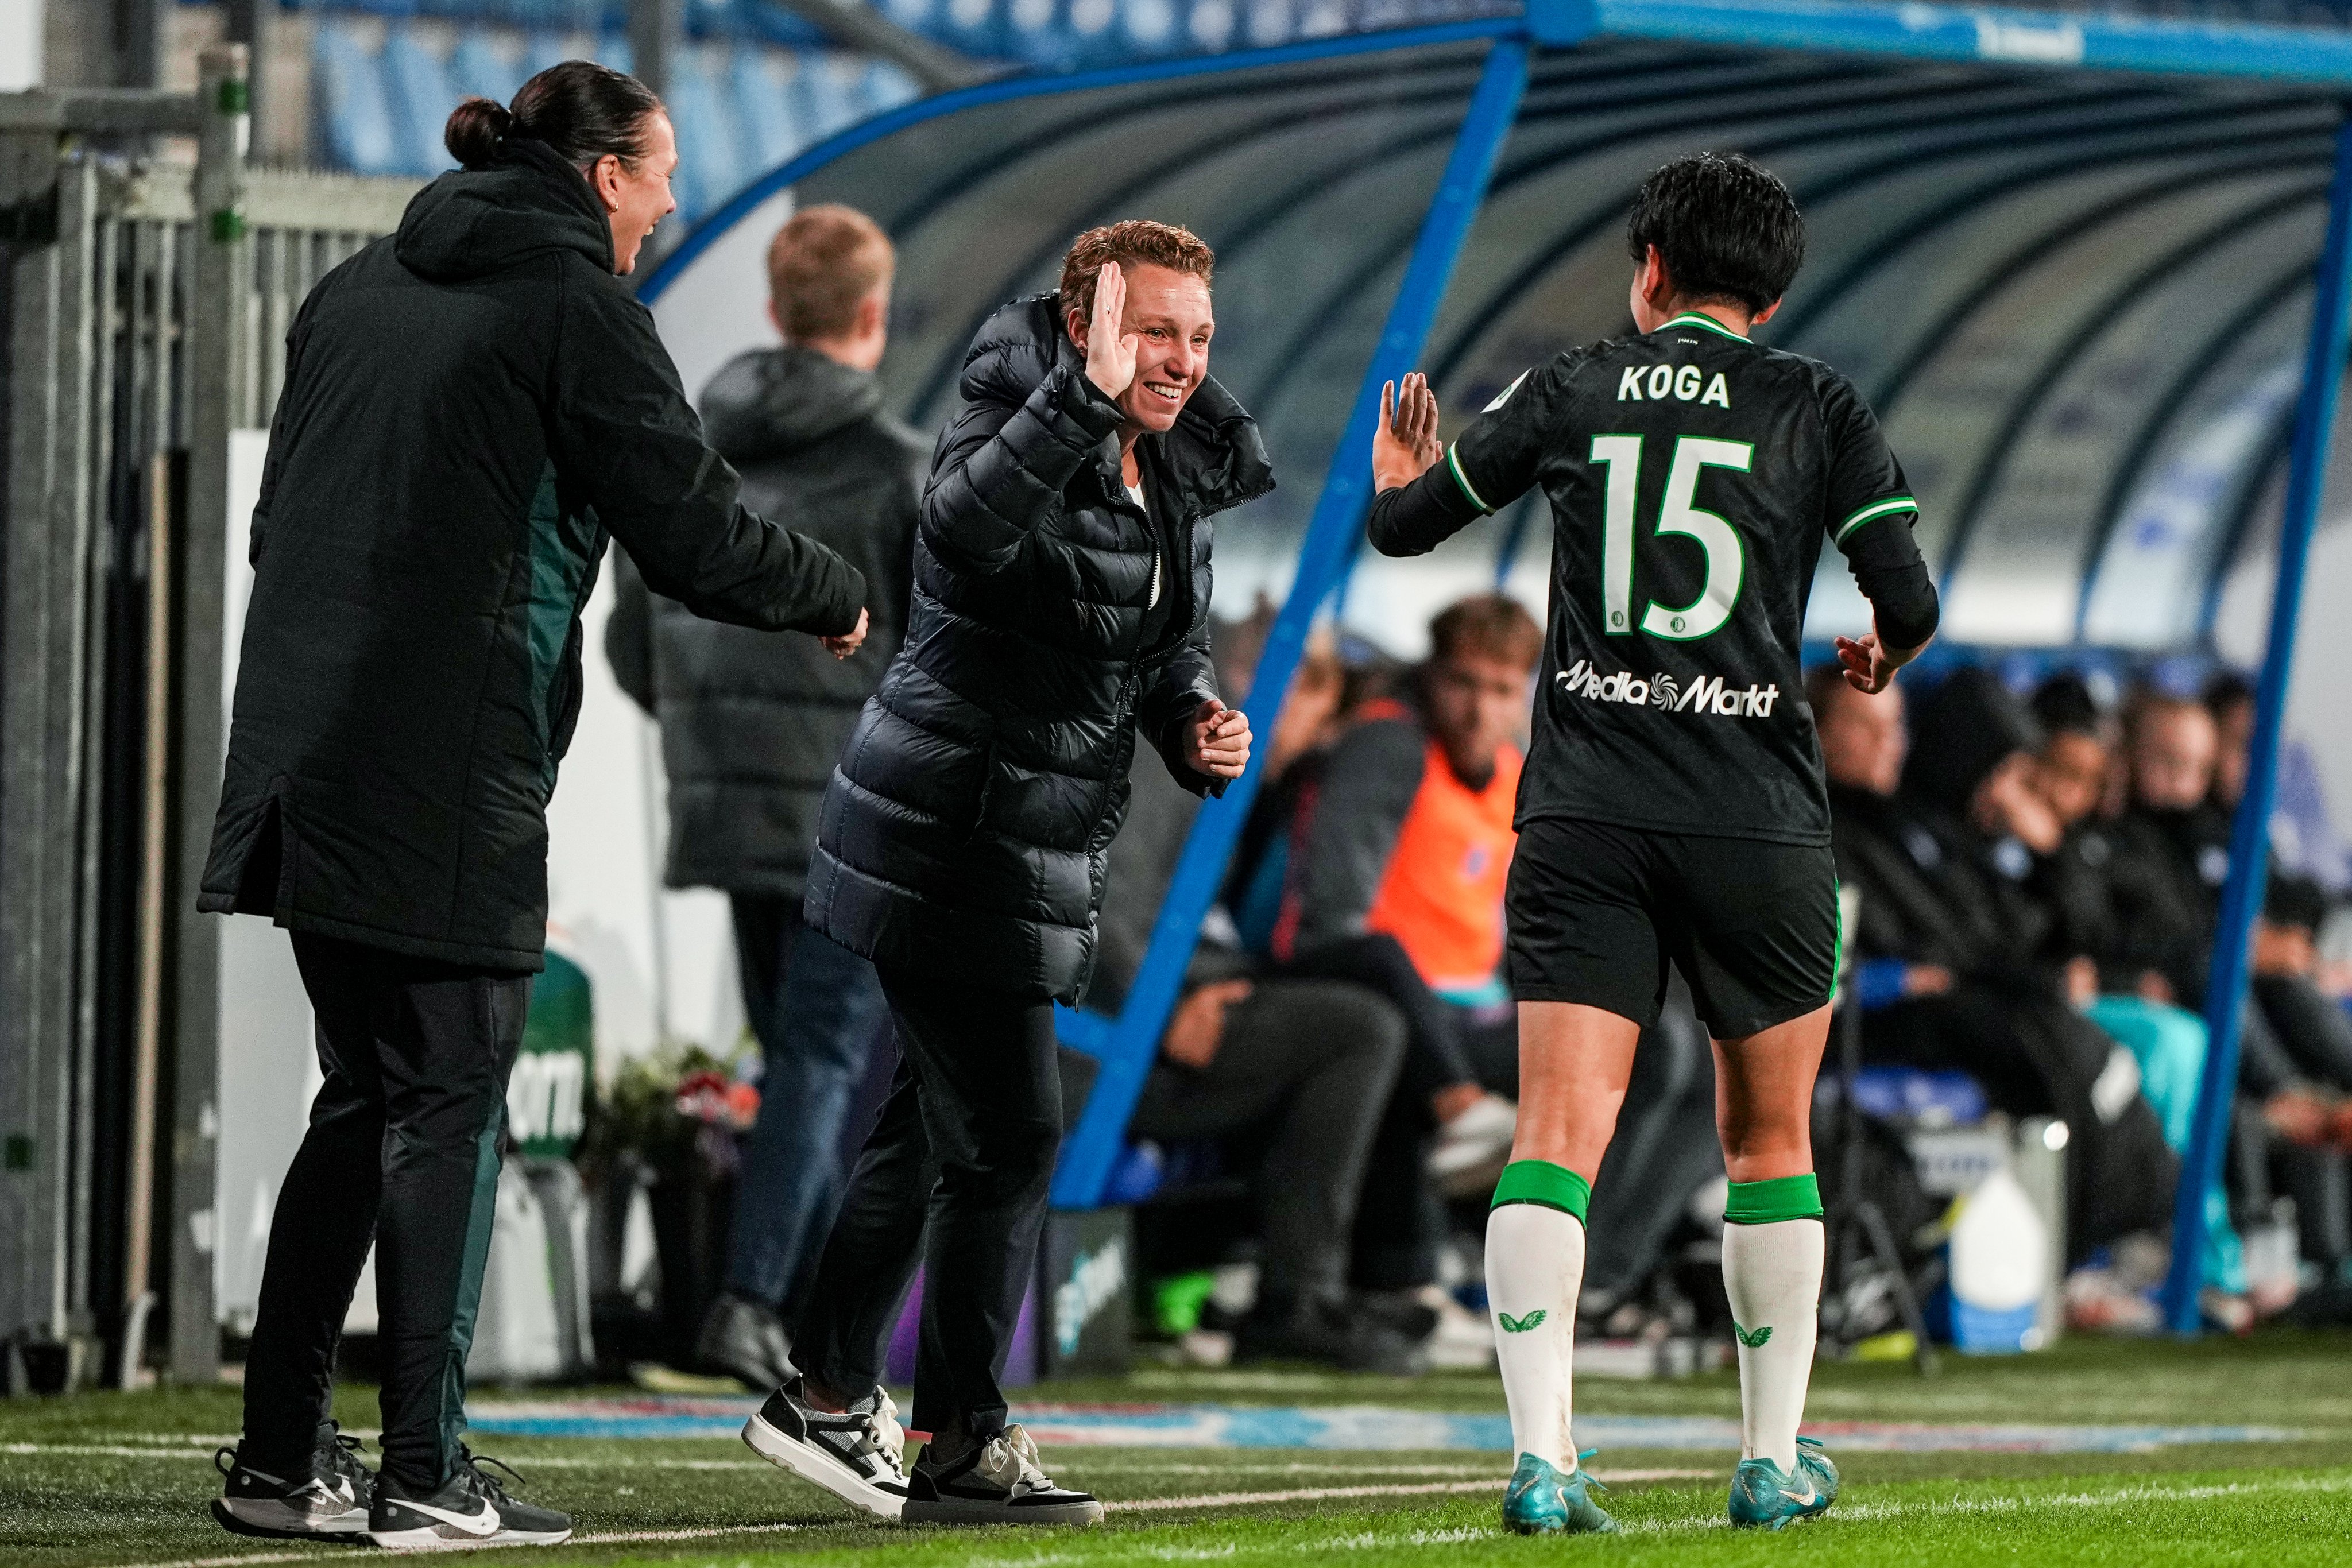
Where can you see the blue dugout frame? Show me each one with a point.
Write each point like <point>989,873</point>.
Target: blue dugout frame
<point>2292,57</point>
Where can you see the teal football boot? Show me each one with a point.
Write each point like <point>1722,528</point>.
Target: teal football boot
<point>1764,1496</point>
<point>1542,1502</point>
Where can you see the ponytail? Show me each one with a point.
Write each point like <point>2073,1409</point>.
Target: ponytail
<point>581,111</point>
<point>476,127</point>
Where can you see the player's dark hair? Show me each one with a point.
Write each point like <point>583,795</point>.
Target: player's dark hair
<point>1728,230</point>
<point>581,111</point>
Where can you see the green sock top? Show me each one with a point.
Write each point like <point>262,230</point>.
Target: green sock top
<point>1768,1202</point>
<point>1545,1183</point>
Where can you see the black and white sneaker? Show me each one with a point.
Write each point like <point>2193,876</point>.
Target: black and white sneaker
<point>470,1510</point>
<point>857,1456</point>
<point>1000,1482</point>
<point>329,1500</point>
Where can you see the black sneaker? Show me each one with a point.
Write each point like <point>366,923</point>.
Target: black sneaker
<point>329,1499</point>
<point>1328,1333</point>
<point>857,1456</point>
<point>1000,1482</point>
<point>745,1339</point>
<point>471,1509</point>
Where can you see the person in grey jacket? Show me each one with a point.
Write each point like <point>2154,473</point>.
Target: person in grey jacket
<point>751,725</point>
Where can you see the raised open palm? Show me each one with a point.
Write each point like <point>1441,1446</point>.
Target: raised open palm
<point>1110,353</point>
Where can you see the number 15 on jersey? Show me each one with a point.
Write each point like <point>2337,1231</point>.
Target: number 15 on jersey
<point>1727,558</point>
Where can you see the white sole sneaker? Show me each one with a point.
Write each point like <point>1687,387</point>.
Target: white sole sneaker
<point>429,1540</point>
<point>273,1520</point>
<point>953,1510</point>
<point>817,1468</point>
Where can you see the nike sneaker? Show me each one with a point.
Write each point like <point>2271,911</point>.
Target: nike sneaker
<point>857,1454</point>
<point>1002,1481</point>
<point>470,1510</point>
<point>328,1500</point>
<point>1766,1496</point>
<point>1542,1502</point>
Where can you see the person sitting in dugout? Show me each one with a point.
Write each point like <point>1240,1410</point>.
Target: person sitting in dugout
<point>1951,968</point>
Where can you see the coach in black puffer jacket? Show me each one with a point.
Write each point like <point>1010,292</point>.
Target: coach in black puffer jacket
<point>966,828</point>
<point>1060,606</point>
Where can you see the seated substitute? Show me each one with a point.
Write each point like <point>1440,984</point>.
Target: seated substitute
<point>1673,810</point>
<point>1296,1071</point>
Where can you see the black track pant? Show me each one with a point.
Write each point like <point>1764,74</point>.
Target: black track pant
<point>402,1150</point>
<point>966,1142</point>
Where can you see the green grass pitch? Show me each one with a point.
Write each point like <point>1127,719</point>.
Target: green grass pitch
<point>116,1481</point>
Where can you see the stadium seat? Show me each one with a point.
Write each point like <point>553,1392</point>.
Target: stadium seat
<point>420,97</point>
<point>1213,25</point>
<point>821,95</point>
<point>710,149</point>
<point>479,66</point>
<point>762,88</point>
<point>352,109</point>
<point>1149,28</point>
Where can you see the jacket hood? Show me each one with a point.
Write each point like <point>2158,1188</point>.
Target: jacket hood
<point>1215,457</point>
<point>770,402</point>
<point>471,223</point>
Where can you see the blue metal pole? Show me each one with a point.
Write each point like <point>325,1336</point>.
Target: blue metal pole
<point>2241,895</point>
<point>1127,1048</point>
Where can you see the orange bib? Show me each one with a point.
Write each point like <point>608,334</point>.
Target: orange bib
<point>1442,896</point>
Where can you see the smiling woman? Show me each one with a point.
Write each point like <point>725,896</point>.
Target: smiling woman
<point>1060,609</point>
<point>472,407</point>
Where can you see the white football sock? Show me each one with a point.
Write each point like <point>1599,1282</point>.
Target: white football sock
<point>1535,1267</point>
<point>1773,1275</point>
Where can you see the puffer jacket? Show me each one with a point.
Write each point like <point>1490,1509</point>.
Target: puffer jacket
<point>966,828</point>
<point>751,723</point>
<point>471,406</point>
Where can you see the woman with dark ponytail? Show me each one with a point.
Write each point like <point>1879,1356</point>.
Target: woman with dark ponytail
<point>472,405</point>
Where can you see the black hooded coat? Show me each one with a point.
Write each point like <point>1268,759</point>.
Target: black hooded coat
<point>751,723</point>
<point>471,406</point>
<point>966,830</point>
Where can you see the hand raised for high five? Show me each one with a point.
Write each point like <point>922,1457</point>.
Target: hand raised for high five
<point>1405,446</point>
<point>1110,353</point>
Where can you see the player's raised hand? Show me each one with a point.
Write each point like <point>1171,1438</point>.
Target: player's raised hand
<point>1217,740</point>
<point>1405,446</point>
<point>1110,353</point>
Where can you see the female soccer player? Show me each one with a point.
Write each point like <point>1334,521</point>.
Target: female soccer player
<point>1673,807</point>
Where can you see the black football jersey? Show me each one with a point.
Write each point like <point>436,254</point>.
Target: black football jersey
<point>1693,476</point>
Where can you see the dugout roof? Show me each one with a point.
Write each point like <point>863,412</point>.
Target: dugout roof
<point>2076,296</point>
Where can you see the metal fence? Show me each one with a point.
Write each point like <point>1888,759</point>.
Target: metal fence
<point>145,312</point>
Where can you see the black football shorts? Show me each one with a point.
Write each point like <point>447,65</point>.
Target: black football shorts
<point>1597,912</point>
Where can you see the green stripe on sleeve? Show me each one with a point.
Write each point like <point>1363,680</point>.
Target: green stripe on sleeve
<point>1545,1183</point>
<point>1875,509</point>
<point>1453,460</point>
<point>1770,1202</point>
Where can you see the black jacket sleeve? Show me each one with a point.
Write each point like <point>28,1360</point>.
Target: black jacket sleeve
<point>997,470</point>
<point>622,435</point>
<point>629,632</point>
<point>1175,686</point>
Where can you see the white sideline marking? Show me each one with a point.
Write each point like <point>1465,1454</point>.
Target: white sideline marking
<point>2120,1497</point>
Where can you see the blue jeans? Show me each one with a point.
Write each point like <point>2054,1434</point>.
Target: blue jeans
<point>813,1006</point>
